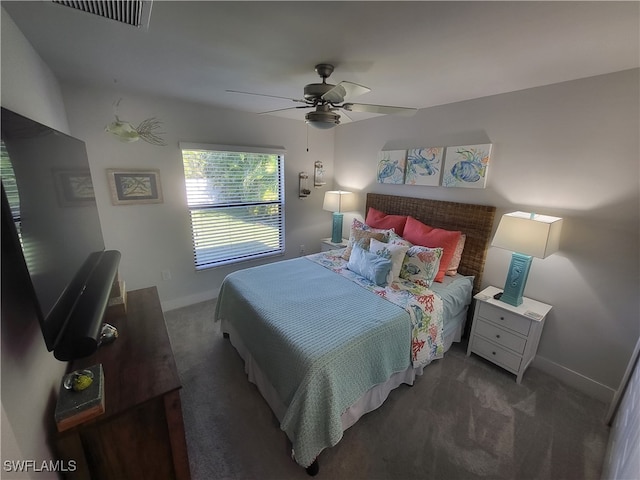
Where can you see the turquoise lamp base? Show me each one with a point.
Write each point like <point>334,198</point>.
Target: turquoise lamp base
<point>336,232</point>
<point>516,279</point>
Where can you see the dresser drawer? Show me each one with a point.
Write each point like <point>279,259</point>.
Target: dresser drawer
<point>495,353</point>
<point>504,318</point>
<point>500,336</point>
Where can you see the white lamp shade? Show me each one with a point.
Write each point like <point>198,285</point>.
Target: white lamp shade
<point>339,201</point>
<point>529,234</point>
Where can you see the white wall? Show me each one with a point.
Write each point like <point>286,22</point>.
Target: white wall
<point>622,459</point>
<point>30,374</point>
<point>570,150</point>
<point>28,85</point>
<point>156,237</point>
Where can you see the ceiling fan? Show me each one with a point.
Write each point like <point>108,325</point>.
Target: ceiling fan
<point>326,99</point>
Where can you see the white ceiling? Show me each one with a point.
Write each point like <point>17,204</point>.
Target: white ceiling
<point>413,54</point>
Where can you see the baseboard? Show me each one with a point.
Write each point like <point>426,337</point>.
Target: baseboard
<point>574,379</point>
<point>188,300</point>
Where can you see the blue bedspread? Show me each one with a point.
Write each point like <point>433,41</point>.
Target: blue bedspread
<point>319,363</point>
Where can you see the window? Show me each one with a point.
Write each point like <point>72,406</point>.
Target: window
<point>236,199</point>
<point>10,186</point>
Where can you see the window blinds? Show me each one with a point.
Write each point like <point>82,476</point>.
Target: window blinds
<point>236,203</point>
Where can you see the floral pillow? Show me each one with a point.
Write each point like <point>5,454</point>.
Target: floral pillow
<point>371,266</point>
<point>420,234</point>
<point>421,265</point>
<point>393,252</point>
<point>362,233</point>
<point>396,239</point>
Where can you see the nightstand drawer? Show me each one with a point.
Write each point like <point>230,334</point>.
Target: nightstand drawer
<point>504,318</point>
<point>500,336</point>
<point>495,353</point>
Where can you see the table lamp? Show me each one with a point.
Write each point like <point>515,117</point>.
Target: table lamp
<point>338,201</point>
<point>528,235</point>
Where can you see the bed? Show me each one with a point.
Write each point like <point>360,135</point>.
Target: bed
<point>325,345</point>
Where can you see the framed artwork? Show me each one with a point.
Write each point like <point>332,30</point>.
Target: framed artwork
<point>466,166</point>
<point>391,166</point>
<point>74,187</point>
<point>424,166</point>
<point>129,186</point>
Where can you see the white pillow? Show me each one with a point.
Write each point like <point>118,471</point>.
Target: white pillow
<point>395,253</point>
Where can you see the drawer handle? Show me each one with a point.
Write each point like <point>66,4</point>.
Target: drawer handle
<point>493,353</point>
<point>501,318</point>
<point>497,336</point>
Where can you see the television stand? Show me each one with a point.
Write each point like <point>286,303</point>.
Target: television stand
<point>141,434</point>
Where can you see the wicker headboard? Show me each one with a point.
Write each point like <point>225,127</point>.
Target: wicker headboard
<point>476,221</point>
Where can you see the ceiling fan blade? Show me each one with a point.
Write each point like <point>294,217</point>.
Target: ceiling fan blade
<point>343,90</point>
<point>284,109</point>
<point>265,95</point>
<point>344,118</point>
<point>382,109</point>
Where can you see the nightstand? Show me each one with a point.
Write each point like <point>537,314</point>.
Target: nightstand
<point>506,335</point>
<point>326,244</point>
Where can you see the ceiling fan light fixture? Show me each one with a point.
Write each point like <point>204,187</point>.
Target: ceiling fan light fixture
<point>323,120</point>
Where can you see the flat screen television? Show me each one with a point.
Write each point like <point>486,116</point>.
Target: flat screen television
<point>51,227</point>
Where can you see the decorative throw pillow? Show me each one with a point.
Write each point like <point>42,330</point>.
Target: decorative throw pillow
<point>396,239</point>
<point>415,230</point>
<point>362,233</point>
<point>457,256</point>
<point>377,219</point>
<point>393,252</point>
<point>369,265</point>
<point>421,265</point>
<point>420,234</point>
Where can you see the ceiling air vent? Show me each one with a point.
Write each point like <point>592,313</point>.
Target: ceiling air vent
<point>130,12</point>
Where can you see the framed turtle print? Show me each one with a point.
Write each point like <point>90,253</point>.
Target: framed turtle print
<point>391,165</point>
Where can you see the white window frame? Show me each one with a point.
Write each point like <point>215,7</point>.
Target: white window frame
<point>235,256</point>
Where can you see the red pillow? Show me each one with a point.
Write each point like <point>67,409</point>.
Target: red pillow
<point>377,219</point>
<point>420,234</point>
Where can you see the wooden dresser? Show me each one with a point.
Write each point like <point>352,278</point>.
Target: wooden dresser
<point>141,434</point>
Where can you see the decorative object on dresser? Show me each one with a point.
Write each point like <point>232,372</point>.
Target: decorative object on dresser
<point>81,397</point>
<point>338,201</point>
<point>141,432</point>
<point>504,334</point>
<point>527,235</point>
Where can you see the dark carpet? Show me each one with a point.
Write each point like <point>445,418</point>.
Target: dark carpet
<point>464,419</point>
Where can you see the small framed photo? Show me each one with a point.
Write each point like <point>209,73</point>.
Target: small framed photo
<point>74,187</point>
<point>130,186</point>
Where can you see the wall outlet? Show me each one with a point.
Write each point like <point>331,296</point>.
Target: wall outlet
<point>166,275</point>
